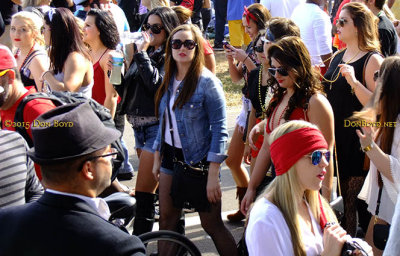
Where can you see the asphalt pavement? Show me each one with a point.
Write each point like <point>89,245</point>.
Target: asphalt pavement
<point>193,228</point>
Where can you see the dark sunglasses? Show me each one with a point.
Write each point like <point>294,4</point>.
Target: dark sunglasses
<point>177,44</point>
<point>341,22</point>
<point>316,156</point>
<point>281,71</point>
<point>376,75</point>
<point>259,48</point>
<point>155,28</point>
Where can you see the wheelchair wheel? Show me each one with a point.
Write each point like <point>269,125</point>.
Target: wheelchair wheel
<point>177,243</point>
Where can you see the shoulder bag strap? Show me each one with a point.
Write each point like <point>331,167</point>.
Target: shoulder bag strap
<point>337,172</point>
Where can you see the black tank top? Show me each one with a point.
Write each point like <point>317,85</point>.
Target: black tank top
<point>26,72</point>
<point>344,103</point>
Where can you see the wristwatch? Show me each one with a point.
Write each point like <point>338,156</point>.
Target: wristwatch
<point>367,148</point>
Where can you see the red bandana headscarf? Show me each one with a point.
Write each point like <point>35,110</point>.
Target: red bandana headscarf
<point>289,148</point>
<point>249,16</point>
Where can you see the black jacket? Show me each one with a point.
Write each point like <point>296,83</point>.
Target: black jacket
<point>140,84</point>
<point>62,225</point>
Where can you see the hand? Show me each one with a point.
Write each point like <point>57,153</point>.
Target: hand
<point>229,53</point>
<point>248,199</point>
<point>214,194</point>
<point>110,61</point>
<point>247,154</point>
<point>334,238</point>
<point>348,73</point>
<point>156,165</point>
<point>240,55</point>
<point>396,25</point>
<point>254,133</point>
<point>147,38</point>
<point>44,75</point>
<point>366,136</point>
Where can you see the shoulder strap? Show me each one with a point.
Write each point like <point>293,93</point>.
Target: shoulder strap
<point>365,65</point>
<point>30,58</point>
<point>19,113</point>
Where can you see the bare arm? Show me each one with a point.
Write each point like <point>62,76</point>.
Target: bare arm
<point>209,61</point>
<point>363,93</point>
<point>326,59</point>
<point>38,65</point>
<point>320,113</point>
<point>111,95</point>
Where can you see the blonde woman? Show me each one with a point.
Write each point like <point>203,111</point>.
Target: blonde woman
<point>31,57</point>
<point>292,215</point>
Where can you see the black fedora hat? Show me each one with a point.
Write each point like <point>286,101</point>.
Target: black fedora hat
<point>67,132</point>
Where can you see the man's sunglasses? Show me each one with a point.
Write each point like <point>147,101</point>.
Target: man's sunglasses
<point>155,28</point>
<point>376,75</point>
<point>281,71</point>
<point>109,156</point>
<point>316,156</point>
<point>177,44</point>
<point>341,22</point>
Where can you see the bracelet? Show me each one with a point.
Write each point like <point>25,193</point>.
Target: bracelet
<point>246,58</point>
<point>367,148</point>
<point>44,73</point>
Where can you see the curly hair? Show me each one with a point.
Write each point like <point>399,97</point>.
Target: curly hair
<point>106,25</point>
<point>293,55</point>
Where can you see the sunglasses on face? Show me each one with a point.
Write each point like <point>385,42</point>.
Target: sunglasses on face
<point>341,22</point>
<point>155,28</point>
<point>177,44</point>
<point>109,156</point>
<point>259,48</point>
<point>316,156</point>
<point>376,75</point>
<point>281,71</point>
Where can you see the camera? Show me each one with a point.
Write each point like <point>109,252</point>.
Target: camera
<point>351,247</point>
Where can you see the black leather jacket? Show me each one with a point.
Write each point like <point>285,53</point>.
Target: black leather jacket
<point>141,82</point>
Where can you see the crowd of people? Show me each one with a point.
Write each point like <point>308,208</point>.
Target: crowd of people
<point>318,123</point>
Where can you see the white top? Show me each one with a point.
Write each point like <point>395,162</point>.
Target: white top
<point>390,191</point>
<point>85,90</point>
<point>393,243</point>
<point>281,8</point>
<point>96,203</point>
<point>267,231</point>
<point>167,135</point>
<point>242,117</point>
<point>315,30</point>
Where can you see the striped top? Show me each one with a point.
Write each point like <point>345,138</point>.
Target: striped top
<point>18,181</point>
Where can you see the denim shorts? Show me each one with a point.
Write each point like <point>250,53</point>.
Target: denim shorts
<point>145,137</point>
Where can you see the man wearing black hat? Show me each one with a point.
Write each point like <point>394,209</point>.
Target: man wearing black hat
<point>72,146</point>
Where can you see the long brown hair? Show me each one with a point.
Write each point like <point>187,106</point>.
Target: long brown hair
<point>367,26</point>
<point>292,54</point>
<point>385,102</point>
<point>192,76</point>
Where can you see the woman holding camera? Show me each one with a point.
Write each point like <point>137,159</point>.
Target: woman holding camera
<point>254,20</point>
<point>292,218</point>
<point>382,147</point>
<point>191,105</point>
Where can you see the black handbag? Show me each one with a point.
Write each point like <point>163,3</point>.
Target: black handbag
<point>381,231</point>
<point>189,182</point>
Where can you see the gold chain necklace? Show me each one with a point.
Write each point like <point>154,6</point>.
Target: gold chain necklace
<point>263,107</point>
<point>338,74</point>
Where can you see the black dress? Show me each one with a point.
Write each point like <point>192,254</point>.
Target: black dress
<point>344,103</point>
<point>254,92</point>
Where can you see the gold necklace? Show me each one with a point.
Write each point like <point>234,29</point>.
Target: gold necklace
<point>338,74</point>
<point>263,107</point>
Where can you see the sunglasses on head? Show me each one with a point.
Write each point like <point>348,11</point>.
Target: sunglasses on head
<point>177,44</point>
<point>341,22</point>
<point>281,71</point>
<point>316,156</point>
<point>376,75</point>
<point>155,28</point>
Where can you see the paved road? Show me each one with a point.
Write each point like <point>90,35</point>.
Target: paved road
<point>229,204</point>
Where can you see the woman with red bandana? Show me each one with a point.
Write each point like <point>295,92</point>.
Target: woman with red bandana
<point>292,218</point>
<point>297,96</point>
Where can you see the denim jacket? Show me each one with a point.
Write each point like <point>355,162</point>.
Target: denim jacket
<point>201,121</point>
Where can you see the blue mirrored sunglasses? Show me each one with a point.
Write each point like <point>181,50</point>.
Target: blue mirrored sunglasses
<point>316,156</point>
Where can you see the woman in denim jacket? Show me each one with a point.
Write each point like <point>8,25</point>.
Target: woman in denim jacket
<point>193,99</point>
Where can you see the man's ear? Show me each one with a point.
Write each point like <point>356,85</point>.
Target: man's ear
<point>88,170</point>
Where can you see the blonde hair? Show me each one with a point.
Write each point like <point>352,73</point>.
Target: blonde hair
<point>34,3</point>
<point>34,22</point>
<point>284,191</point>
<point>151,4</point>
